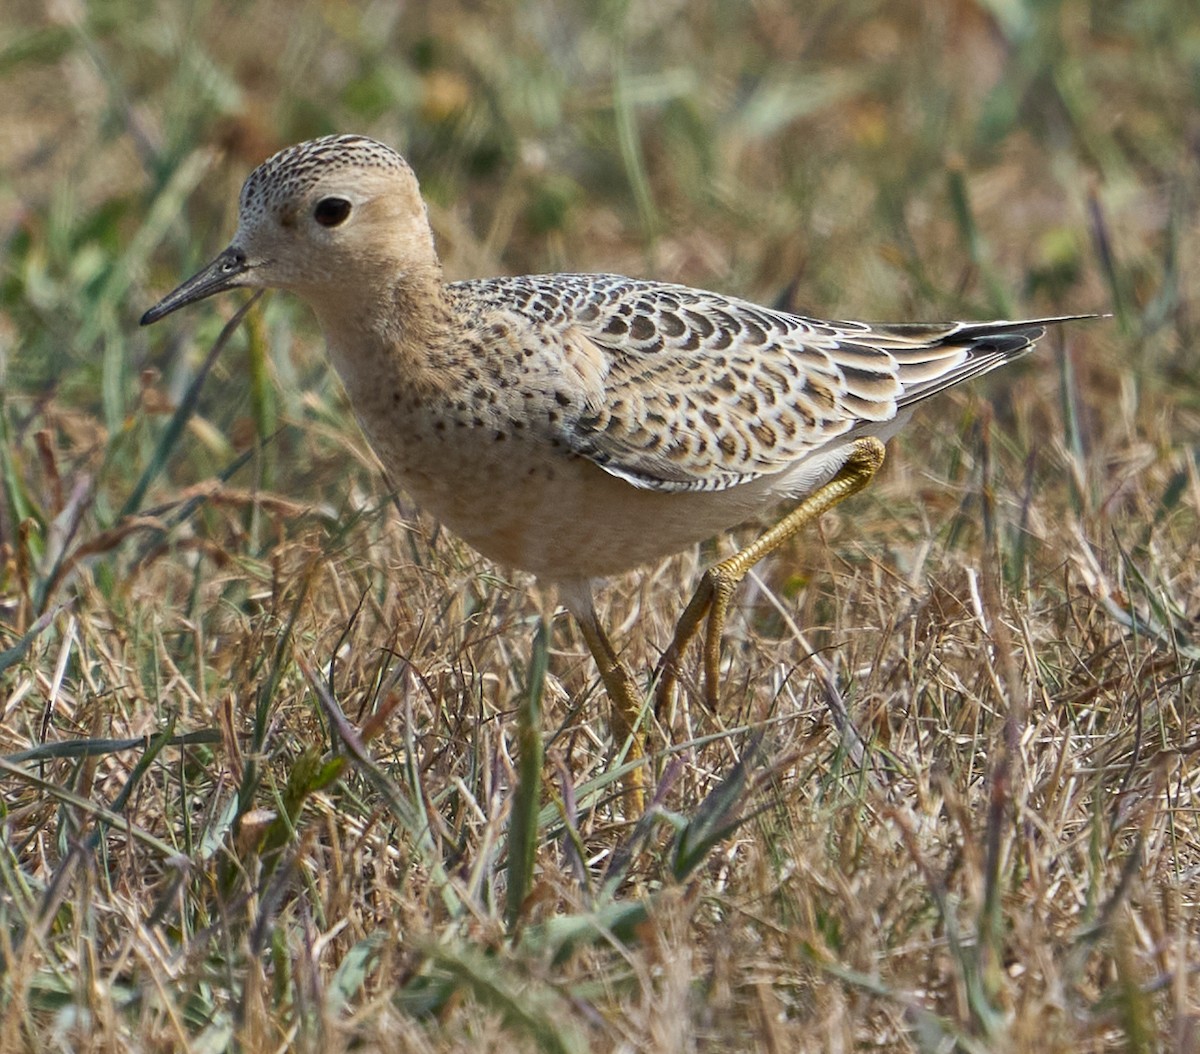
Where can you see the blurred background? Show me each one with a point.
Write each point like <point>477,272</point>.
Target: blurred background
<point>849,159</point>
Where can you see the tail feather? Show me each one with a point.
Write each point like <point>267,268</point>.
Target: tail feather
<point>973,349</point>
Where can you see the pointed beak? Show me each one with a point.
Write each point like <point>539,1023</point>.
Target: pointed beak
<point>227,271</point>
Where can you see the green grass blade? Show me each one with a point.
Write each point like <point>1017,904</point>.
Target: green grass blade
<point>183,412</point>
<point>523,822</point>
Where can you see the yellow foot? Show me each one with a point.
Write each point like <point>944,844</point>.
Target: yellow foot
<point>627,706</point>
<point>712,596</point>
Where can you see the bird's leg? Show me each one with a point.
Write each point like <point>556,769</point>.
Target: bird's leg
<point>623,695</point>
<point>716,587</point>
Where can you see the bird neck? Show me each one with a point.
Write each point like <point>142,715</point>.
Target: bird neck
<point>387,328</point>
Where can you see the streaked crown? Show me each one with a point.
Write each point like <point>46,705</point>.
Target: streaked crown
<point>287,176</point>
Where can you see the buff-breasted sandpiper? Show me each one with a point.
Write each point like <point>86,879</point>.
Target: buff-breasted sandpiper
<point>581,425</point>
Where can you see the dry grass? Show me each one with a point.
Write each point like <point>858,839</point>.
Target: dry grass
<point>262,724</point>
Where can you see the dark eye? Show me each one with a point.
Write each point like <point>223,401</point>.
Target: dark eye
<point>330,212</point>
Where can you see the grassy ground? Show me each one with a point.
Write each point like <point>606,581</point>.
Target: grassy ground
<point>262,724</point>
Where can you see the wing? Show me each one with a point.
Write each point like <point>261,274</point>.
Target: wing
<point>686,390</point>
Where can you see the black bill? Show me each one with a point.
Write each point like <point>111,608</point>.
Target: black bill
<point>225,272</point>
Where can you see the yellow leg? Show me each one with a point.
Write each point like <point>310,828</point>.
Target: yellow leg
<point>716,587</point>
<point>624,699</point>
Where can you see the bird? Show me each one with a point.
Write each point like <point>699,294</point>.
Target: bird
<point>580,426</point>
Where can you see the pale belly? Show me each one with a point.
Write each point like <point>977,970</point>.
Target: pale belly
<point>555,514</point>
